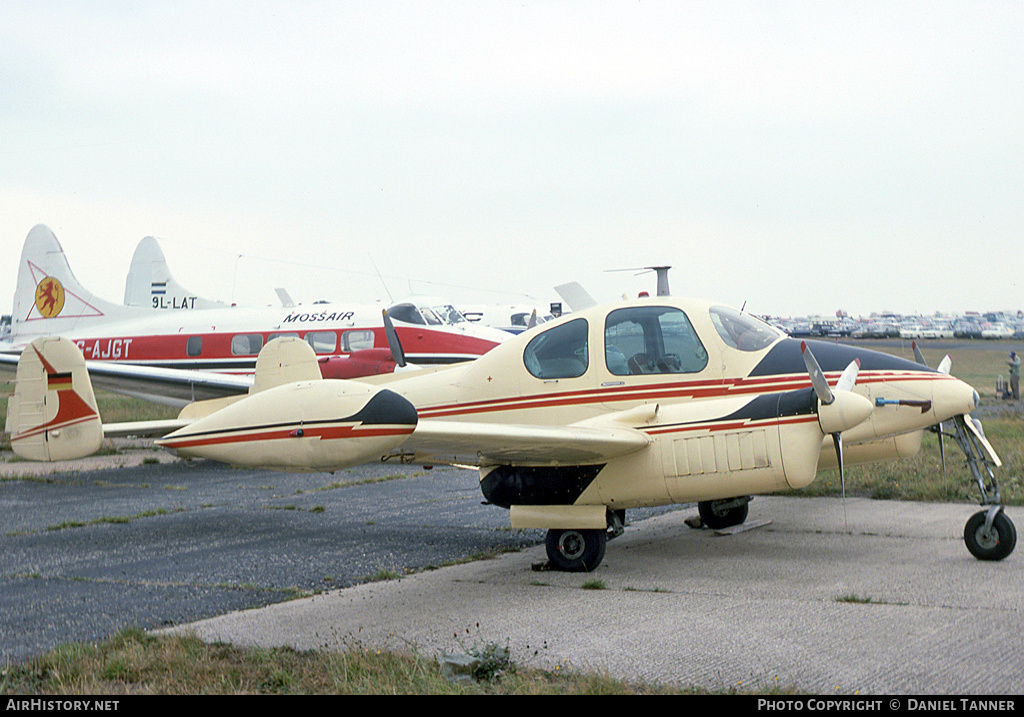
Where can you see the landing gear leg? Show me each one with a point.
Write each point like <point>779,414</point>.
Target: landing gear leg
<point>989,533</point>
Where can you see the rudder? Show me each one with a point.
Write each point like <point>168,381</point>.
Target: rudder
<point>52,414</point>
<point>49,300</point>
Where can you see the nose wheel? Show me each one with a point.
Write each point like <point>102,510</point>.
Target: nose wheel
<point>989,533</point>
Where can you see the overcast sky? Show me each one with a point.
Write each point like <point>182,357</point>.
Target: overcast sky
<point>799,157</point>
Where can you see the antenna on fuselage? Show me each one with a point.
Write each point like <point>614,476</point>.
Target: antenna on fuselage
<point>661,271</point>
<point>383,283</point>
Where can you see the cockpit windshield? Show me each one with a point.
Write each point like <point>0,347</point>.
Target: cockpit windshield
<point>742,331</point>
<point>416,313</point>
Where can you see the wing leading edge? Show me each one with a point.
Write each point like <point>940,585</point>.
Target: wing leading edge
<point>483,444</point>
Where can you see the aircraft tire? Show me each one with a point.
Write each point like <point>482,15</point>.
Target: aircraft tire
<point>994,544</point>
<point>576,551</point>
<point>717,519</point>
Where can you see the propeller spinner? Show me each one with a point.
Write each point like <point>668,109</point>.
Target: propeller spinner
<point>838,409</point>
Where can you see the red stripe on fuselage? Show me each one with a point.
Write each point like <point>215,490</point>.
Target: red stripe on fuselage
<point>321,433</point>
<point>216,346</point>
<point>676,390</point>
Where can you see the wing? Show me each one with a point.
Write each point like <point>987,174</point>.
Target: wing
<point>169,386</point>
<point>481,444</point>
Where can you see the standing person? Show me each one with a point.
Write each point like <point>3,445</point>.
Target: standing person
<point>1014,363</point>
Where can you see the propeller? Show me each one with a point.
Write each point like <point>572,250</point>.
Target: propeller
<point>945,365</point>
<point>393,343</point>
<point>845,414</point>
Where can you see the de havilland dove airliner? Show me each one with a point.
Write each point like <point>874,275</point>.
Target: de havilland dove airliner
<point>207,336</point>
<point>646,402</point>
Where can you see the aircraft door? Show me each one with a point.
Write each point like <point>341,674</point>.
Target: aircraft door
<point>648,351</point>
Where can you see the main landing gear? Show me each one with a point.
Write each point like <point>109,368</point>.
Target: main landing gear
<point>721,514</point>
<point>989,533</point>
<point>577,550</point>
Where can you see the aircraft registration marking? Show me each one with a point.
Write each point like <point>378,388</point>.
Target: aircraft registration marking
<point>104,349</point>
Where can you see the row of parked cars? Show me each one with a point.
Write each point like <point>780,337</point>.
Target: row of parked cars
<point>980,327</point>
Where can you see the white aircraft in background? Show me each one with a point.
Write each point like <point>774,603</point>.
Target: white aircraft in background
<point>349,340</point>
<point>150,283</point>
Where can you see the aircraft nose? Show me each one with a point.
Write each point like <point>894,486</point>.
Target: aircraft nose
<point>954,398</point>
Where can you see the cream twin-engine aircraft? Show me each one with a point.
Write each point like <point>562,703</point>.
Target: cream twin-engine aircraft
<point>648,402</point>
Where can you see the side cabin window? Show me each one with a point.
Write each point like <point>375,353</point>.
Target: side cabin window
<point>561,352</point>
<point>652,339</point>
<point>323,342</point>
<point>194,346</point>
<point>246,344</point>
<point>356,340</point>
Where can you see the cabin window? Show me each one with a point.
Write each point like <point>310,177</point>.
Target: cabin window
<point>246,344</point>
<point>742,331</point>
<point>194,346</point>
<point>323,342</point>
<point>652,339</point>
<point>356,340</point>
<point>560,352</point>
<point>290,334</point>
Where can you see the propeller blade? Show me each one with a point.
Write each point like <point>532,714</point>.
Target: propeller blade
<point>837,439</point>
<point>533,320</point>
<point>942,454</point>
<point>945,365</point>
<point>821,386</point>
<point>393,343</point>
<point>918,356</point>
<point>849,376</point>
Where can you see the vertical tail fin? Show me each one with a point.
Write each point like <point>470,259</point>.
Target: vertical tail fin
<point>52,414</point>
<point>49,300</point>
<point>151,285</point>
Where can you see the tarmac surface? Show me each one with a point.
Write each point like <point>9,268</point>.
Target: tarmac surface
<point>892,605</point>
<point>895,606</point>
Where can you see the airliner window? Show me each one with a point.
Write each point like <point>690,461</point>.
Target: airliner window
<point>561,352</point>
<point>743,331</point>
<point>246,344</point>
<point>194,346</point>
<point>355,340</point>
<point>652,339</point>
<point>323,342</point>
